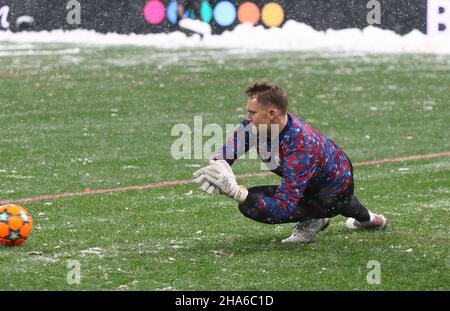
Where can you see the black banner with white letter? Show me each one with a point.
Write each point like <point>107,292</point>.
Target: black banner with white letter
<point>223,300</point>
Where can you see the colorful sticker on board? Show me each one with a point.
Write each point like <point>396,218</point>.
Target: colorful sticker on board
<point>272,15</point>
<point>154,12</point>
<point>248,12</point>
<point>224,13</point>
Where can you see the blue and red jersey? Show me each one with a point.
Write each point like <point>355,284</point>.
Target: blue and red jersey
<point>305,158</point>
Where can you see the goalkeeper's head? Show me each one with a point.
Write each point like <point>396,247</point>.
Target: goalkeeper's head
<point>267,104</point>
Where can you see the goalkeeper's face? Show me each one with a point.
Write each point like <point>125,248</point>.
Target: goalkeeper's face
<point>261,117</point>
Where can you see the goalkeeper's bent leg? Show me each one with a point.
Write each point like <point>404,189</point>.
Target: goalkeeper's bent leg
<point>257,214</point>
<point>353,208</point>
<point>312,207</point>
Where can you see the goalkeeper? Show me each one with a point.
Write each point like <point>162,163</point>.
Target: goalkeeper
<point>317,175</point>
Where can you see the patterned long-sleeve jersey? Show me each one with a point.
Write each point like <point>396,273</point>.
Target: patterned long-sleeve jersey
<point>304,158</point>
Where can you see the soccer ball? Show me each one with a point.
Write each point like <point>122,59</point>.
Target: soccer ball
<point>15,224</point>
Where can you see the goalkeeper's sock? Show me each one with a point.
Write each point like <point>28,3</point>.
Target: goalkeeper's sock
<point>356,210</point>
<point>373,217</point>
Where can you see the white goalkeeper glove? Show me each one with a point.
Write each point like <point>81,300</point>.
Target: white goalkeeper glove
<point>206,186</point>
<point>199,176</point>
<point>220,175</point>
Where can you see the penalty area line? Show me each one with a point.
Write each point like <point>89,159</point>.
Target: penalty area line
<point>188,181</point>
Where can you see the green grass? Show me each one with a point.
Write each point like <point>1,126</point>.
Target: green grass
<point>103,117</point>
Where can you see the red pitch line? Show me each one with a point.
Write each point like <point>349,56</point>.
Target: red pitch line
<point>188,181</point>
